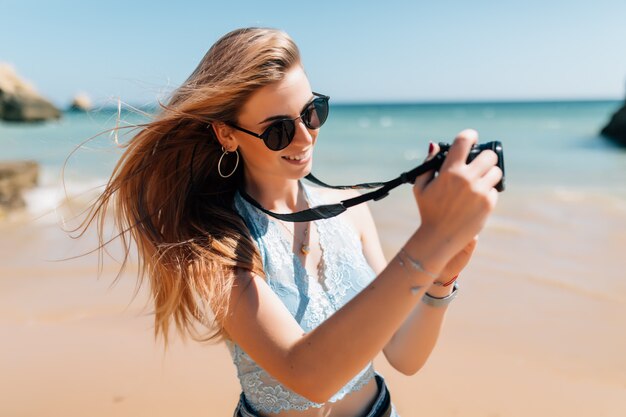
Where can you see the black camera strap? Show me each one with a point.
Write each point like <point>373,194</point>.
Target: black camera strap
<point>326,211</point>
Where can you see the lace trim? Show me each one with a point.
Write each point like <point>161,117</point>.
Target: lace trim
<point>337,278</point>
<point>267,395</point>
<point>274,399</point>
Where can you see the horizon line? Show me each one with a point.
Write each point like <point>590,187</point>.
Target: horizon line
<point>351,103</point>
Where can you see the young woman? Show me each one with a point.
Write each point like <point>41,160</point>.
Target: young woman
<point>304,307</point>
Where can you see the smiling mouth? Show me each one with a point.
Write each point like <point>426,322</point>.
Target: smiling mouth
<point>298,157</point>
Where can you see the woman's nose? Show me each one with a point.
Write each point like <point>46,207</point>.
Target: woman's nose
<point>303,135</point>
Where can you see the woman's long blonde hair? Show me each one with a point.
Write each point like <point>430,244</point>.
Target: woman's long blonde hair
<point>168,198</point>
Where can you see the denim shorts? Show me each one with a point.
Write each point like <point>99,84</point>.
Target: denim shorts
<point>382,406</point>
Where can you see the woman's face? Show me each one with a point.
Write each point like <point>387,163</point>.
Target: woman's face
<point>284,99</point>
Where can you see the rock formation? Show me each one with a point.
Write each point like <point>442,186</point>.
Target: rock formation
<point>81,102</point>
<point>20,102</point>
<point>16,177</point>
<point>616,128</point>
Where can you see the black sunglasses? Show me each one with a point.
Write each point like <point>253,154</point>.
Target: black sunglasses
<point>280,133</point>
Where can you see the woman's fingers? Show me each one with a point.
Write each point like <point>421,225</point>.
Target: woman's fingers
<point>492,196</point>
<point>483,162</point>
<point>458,201</point>
<point>425,178</point>
<point>480,166</point>
<point>460,148</point>
<point>491,177</point>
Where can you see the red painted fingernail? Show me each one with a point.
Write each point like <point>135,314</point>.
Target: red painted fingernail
<point>431,146</point>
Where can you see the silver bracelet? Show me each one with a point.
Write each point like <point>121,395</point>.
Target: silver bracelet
<point>416,264</point>
<point>441,301</point>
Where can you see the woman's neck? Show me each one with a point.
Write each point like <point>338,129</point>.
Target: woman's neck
<point>276,194</point>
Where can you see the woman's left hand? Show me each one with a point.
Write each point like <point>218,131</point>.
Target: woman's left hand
<point>458,262</point>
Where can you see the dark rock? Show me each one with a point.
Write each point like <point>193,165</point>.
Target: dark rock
<point>20,102</point>
<point>616,128</point>
<point>81,102</point>
<point>16,108</point>
<point>16,177</point>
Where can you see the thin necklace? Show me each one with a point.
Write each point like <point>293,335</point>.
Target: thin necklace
<point>305,249</point>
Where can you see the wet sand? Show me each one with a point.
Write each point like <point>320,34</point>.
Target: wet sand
<point>539,327</point>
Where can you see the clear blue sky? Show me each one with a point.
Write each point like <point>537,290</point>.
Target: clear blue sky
<point>352,50</point>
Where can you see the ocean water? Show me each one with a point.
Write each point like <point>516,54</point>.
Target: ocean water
<point>559,228</point>
<point>546,144</point>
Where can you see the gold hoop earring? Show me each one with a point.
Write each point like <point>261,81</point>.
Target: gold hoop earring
<point>219,163</point>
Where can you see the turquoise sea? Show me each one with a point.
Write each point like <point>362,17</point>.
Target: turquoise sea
<point>546,144</point>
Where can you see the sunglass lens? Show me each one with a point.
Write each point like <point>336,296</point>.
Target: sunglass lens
<point>317,113</point>
<point>279,135</point>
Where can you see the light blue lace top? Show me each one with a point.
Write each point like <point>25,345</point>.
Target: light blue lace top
<point>344,273</point>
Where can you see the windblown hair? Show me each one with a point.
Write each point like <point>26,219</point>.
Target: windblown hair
<point>166,194</point>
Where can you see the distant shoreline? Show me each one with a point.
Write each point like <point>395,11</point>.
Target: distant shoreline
<point>477,102</point>
<point>391,104</point>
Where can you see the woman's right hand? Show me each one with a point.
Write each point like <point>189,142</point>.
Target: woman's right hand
<point>455,204</point>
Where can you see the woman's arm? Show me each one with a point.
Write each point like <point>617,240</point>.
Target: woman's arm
<point>411,345</point>
<point>414,341</point>
<point>317,364</point>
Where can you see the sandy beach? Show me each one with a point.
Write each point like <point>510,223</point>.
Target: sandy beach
<point>538,328</point>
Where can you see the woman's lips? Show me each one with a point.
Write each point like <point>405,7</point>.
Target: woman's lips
<point>297,159</point>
